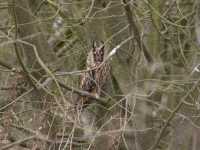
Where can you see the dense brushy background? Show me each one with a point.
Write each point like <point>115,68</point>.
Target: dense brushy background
<point>152,96</point>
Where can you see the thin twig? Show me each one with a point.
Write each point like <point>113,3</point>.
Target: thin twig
<point>17,51</point>
<point>90,10</point>
<point>39,6</point>
<point>135,31</point>
<point>17,142</point>
<point>15,100</point>
<point>83,93</point>
<point>177,108</point>
<point>49,72</point>
<point>6,65</point>
<point>45,138</point>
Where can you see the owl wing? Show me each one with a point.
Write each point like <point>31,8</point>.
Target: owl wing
<point>87,84</point>
<point>88,81</point>
<point>101,76</point>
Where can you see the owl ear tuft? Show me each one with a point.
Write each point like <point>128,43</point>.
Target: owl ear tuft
<point>94,44</point>
<point>102,45</point>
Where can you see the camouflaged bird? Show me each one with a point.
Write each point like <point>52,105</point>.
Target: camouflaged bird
<point>95,78</point>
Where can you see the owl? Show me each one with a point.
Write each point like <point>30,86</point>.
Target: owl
<point>95,78</point>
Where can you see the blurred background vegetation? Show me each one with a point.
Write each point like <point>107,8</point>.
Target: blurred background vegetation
<point>152,95</point>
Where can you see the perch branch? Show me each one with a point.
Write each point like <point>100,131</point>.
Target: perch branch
<point>83,93</point>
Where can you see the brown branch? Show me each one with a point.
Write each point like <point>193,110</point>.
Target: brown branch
<point>83,93</point>
<point>77,91</point>
<point>9,88</point>
<point>135,31</point>
<point>17,51</point>
<point>66,47</point>
<point>6,65</point>
<point>39,6</point>
<point>42,137</point>
<point>17,142</point>
<point>5,6</point>
<point>177,108</point>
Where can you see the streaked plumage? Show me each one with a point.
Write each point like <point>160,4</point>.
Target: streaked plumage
<point>93,80</point>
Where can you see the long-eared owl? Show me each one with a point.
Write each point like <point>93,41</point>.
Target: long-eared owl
<point>97,73</point>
